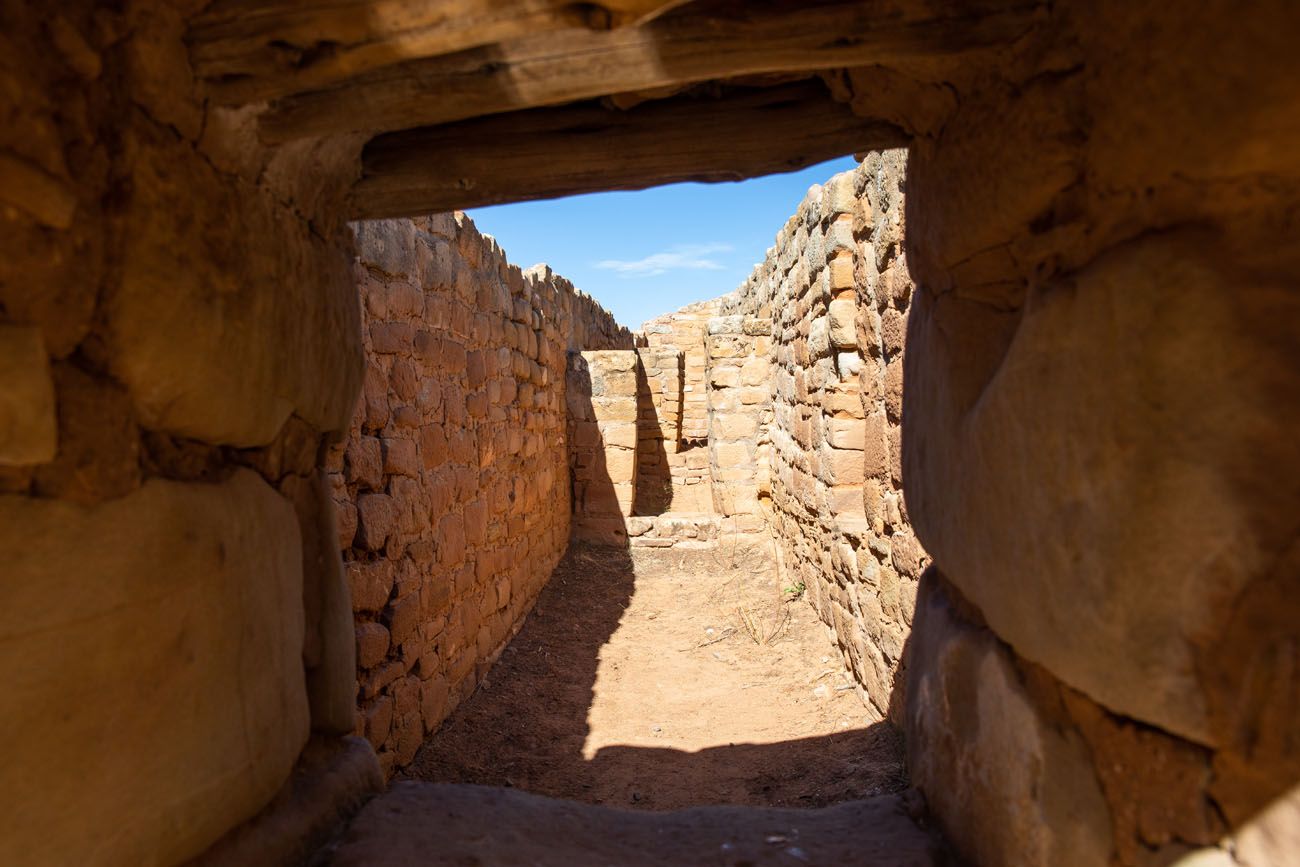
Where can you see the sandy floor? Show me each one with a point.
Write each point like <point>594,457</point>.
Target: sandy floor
<point>668,679</point>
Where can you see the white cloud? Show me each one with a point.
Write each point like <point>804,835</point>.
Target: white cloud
<point>683,257</point>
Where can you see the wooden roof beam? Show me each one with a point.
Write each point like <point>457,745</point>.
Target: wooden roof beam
<point>701,42</point>
<point>545,153</point>
<point>253,50</point>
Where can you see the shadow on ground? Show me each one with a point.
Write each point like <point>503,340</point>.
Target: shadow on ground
<point>532,725</point>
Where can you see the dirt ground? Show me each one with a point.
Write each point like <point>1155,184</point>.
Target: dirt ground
<point>663,679</point>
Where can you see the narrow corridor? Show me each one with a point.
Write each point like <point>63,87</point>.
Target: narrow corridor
<point>688,680</point>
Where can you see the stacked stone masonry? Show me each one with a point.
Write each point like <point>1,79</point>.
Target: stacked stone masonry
<point>602,400</point>
<point>452,487</point>
<point>834,292</point>
<point>686,330</point>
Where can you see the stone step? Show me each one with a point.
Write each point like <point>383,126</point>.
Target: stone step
<point>436,824</point>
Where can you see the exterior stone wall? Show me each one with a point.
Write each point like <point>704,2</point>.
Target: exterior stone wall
<point>453,484</point>
<point>834,293</point>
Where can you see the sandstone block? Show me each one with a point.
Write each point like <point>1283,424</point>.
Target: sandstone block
<point>376,519</point>
<point>347,528</point>
<point>371,584</point>
<point>636,526</point>
<point>847,433</point>
<point>28,427</point>
<point>404,380</point>
<point>877,457</point>
<point>402,616</point>
<point>733,454</point>
<point>846,500</point>
<point>621,435</point>
<point>400,457</point>
<point>1007,785</point>
<point>620,465</point>
<point>724,377</point>
<point>754,372</point>
<point>451,540</point>
<point>733,426</point>
<point>843,466</point>
<point>224,348</point>
<point>841,273</point>
<point>893,331</point>
<point>1081,403</point>
<point>842,317</point>
<point>372,644</point>
<point>843,405</point>
<point>433,446</point>
<point>190,594</point>
<point>894,389</point>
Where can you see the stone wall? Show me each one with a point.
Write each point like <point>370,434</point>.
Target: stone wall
<point>1101,403</point>
<point>178,339</point>
<point>453,484</point>
<point>602,401</point>
<point>740,412</point>
<point>833,293</point>
<point>686,330</point>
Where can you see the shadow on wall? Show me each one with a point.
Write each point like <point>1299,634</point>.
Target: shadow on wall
<point>653,493</point>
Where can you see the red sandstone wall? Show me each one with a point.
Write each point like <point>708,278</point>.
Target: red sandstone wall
<point>453,484</point>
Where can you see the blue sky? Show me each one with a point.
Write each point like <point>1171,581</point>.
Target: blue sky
<point>649,252</point>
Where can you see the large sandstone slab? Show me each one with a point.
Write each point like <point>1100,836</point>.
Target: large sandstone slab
<point>231,313</point>
<point>1101,473</point>
<point>154,693</point>
<point>423,824</point>
<point>1008,787</point>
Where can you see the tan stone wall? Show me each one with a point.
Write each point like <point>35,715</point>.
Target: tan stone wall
<point>602,398</point>
<point>686,330</point>
<point>740,411</point>
<point>178,337</point>
<point>833,292</point>
<point>453,484</point>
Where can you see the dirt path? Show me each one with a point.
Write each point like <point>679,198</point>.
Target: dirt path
<point>669,679</point>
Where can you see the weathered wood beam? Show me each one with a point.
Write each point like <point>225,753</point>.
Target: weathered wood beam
<point>702,42</point>
<point>252,50</point>
<point>550,152</point>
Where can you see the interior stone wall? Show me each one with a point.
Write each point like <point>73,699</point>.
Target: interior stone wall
<point>1099,446</point>
<point>686,330</point>
<point>603,427</point>
<point>453,485</point>
<point>178,340</point>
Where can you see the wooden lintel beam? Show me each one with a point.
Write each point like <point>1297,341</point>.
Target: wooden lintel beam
<point>701,42</point>
<point>253,50</point>
<point>550,152</point>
